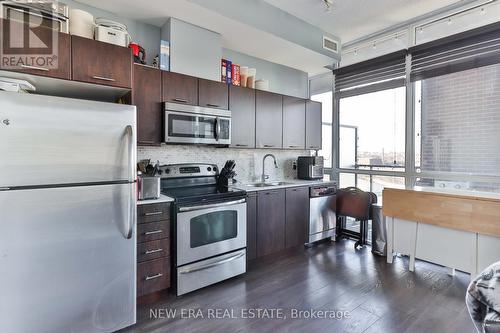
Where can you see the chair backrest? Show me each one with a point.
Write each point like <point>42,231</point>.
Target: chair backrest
<point>355,203</point>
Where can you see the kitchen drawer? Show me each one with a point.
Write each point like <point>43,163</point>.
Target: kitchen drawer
<point>153,212</point>
<point>153,250</point>
<point>153,231</point>
<point>153,276</point>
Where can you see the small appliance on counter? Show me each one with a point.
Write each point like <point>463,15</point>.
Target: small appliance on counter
<point>112,32</point>
<point>49,14</point>
<point>138,52</point>
<point>81,23</point>
<point>310,167</point>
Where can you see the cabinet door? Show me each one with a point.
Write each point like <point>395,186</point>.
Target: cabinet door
<point>270,222</point>
<point>297,216</point>
<point>294,127</point>
<point>313,125</point>
<point>102,63</point>
<point>61,71</point>
<point>269,117</point>
<point>242,106</point>
<point>179,88</point>
<point>146,96</point>
<point>213,94</point>
<point>252,226</point>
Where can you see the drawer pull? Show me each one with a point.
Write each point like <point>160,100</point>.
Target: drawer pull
<point>153,251</point>
<point>180,100</point>
<point>313,147</point>
<point>293,146</point>
<point>103,78</point>
<point>269,146</point>
<point>159,275</point>
<point>239,145</point>
<point>35,68</point>
<point>153,213</point>
<point>213,105</point>
<point>153,232</point>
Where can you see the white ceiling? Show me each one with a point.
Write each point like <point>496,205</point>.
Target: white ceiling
<point>349,19</point>
<point>352,19</point>
<point>235,35</point>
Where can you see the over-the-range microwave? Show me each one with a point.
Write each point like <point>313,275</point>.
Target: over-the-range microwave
<point>197,125</point>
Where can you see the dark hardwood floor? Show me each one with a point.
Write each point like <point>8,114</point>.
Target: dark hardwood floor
<point>378,297</point>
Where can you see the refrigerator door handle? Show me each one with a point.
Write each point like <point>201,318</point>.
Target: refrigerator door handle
<point>131,209</point>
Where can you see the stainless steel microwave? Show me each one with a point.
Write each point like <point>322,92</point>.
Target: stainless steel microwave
<point>50,14</point>
<point>197,125</point>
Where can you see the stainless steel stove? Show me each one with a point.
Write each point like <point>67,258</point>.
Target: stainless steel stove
<point>209,226</point>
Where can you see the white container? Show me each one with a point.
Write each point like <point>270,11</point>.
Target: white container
<point>81,23</point>
<point>252,72</point>
<point>262,85</point>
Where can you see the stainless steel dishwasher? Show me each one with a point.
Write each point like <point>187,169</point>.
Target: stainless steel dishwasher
<point>322,216</point>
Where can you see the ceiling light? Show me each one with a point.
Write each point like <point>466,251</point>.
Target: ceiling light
<point>449,21</point>
<point>483,11</point>
<point>374,46</point>
<point>420,30</point>
<point>356,52</point>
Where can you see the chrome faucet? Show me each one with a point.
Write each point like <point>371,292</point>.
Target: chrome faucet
<point>264,176</point>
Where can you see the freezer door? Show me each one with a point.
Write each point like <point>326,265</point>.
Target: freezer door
<point>67,259</point>
<point>51,140</point>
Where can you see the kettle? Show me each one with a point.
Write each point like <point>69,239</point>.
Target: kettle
<point>138,52</point>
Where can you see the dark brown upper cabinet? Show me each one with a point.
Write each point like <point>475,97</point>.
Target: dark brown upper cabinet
<point>213,94</point>
<point>146,96</point>
<point>294,127</point>
<point>269,120</point>
<point>297,216</point>
<point>242,106</point>
<point>58,68</point>
<point>101,63</point>
<point>179,88</point>
<point>313,125</point>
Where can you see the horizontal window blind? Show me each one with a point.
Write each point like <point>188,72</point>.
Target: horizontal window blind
<point>385,68</point>
<point>474,48</point>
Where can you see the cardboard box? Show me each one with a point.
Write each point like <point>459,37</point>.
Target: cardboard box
<point>236,75</point>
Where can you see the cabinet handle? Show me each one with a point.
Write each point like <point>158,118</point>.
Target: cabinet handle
<point>293,146</point>
<point>103,78</point>
<point>153,232</point>
<point>180,100</point>
<point>238,145</point>
<point>213,105</point>
<point>35,68</point>
<point>148,142</point>
<point>269,146</point>
<point>153,213</point>
<point>153,277</point>
<point>314,147</point>
<point>153,251</point>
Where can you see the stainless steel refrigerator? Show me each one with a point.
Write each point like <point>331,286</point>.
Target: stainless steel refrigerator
<point>67,215</point>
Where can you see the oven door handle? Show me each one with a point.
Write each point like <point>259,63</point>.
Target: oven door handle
<point>217,129</point>
<point>221,204</point>
<point>224,261</point>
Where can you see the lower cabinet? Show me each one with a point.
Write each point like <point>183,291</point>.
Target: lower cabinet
<point>252,226</point>
<point>270,222</point>
<point>153,248</point>
<point>297,216</point>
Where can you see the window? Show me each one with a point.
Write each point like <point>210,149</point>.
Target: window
<point>327,116</point>
<point>457,123</point>
<point>372,131</point>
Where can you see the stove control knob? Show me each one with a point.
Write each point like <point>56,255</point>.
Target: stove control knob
<point>215,168</point>
<point>167,171</point>
<point>209,169</point>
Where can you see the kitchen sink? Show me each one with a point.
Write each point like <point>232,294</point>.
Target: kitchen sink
<point>269,184</point>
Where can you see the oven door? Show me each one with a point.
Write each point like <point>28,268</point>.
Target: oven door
<point>209,230</point>
<point>182,127</point>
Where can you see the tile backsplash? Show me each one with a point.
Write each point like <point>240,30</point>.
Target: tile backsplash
<point>248,161</point>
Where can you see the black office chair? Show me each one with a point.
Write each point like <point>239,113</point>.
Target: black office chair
<point>355,203</point>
